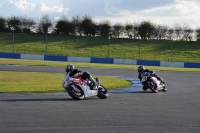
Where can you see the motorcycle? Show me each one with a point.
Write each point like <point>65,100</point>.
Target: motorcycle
<point>79,89</point>
<point>152,83</point>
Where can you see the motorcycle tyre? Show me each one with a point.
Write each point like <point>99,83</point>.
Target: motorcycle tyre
<point>74,96</point>
<point>155,91</point>
<point>102,94</point>
<point>164,89</point>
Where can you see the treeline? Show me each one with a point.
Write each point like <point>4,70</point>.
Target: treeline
<point>86,26</point>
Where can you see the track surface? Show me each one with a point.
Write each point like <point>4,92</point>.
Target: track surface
<point>176,111</point>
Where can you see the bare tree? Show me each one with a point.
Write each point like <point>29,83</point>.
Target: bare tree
<point>178,31</point>
<point>187,33</point>
<point>117,30</point>
<point>76,21</point>
<point>104,28</point>
<point>45,25</point>
<point>135,30</point>
<point>128,30</point>
<point>198,34</point>
<point>15,23</point>
<point>161,31</point>
<point>170,34</point>
<point>27,24</point>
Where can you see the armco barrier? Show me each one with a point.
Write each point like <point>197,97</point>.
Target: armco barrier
<point>10,55</point>
<point>98,60</point>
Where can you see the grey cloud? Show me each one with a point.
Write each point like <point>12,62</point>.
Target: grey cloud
<point>82,7</point>
<point>108,7</point>
<point>31,10</point>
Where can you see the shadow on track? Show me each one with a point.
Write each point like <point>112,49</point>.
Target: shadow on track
<point>141,92</point>
<point>44,99</point>
<point>37,99</point>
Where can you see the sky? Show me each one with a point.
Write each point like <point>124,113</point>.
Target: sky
<point>165,12</point>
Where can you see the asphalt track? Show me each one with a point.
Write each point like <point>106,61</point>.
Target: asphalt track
<point>175,111</point>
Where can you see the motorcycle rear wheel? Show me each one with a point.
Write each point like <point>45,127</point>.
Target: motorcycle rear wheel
<point>153,87</point>
<point>76,94</point>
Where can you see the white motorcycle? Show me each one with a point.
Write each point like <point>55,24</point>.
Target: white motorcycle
<point>152,83</point>
<point>79,89</point>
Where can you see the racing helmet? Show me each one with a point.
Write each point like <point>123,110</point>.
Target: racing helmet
<point>141,69</point>
<point>69,68</point>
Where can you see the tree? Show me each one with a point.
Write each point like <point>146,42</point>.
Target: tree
<point>2,23</point>
<point>160,31</point>
<point>14,22</point>
<point>117,29</point>
<point>128,29</point>
<point>45,25</point>
<point>198,34</point>
<point>170,34</point>
<point>178,31</point>
<point>76,21</point>
<point>27,24</point>
<point>88,25</point>
<point>104,28</point>
<point>187,33</point>
<point>64,26</point>
<point>135,30</point>
<point>145,29</point>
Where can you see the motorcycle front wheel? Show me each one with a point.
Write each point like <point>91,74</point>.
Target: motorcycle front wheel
<point>102,92</point>
<point>76,94</point>
<point>153,87</point>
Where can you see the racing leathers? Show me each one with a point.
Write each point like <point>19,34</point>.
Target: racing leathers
<point>85,76</point>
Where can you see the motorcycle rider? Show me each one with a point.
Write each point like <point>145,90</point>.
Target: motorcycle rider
<point>84,75</point>
<point>142,69</point>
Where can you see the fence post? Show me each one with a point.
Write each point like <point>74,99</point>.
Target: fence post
<point>139,51</point>
<point>171,48</point>
<point>61,44</point>
<point>108,46</point>
<point>13,49</point>
<point>46,42</point>
<point>76,45</point>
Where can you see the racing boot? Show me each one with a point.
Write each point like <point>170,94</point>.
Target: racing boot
<point>93,84</point>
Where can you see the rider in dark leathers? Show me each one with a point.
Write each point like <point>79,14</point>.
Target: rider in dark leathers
<point>142,69</point>
<point>84,75</point>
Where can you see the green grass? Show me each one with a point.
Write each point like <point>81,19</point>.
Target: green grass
<point>33,82</point>
<point>163,50</point>
<point>26,82</point>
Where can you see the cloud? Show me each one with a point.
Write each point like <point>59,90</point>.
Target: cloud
<point>22,8</point>
<point>159,11</point>
<point>182,11</point>
<point>179,11</point>
<point>110,7</point>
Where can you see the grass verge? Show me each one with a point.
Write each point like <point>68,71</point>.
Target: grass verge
<point>34,82</point>
<point>26,82</point>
